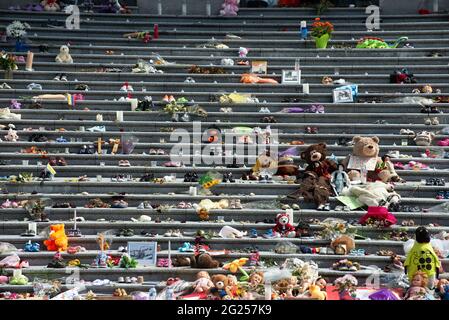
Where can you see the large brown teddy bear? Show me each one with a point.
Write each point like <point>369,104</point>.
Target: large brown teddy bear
<point>220,282</point>
<point>314,189</point>
<point>366,150</point>
<point>315,157</point>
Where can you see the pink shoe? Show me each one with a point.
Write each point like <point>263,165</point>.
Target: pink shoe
<point>399,165</point>
<point>6,204</point>
<point>444,142</point>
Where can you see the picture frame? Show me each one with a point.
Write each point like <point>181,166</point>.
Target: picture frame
<point>291,76</point>
<point>343,96</point>
<point>259,67</point>
<point>144,252</point>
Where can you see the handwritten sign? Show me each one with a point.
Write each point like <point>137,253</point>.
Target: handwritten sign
<point>357,163</point>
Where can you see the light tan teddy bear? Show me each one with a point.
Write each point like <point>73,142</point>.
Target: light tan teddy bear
<point>64,55</point>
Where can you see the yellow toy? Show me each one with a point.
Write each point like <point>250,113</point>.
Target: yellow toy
<point>316,293</point>
<point>57,238</point>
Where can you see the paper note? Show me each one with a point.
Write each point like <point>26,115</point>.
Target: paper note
<point>357,163</point>
<point>352,202</point>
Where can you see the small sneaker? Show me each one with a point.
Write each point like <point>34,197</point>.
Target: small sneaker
<point>97,129</point>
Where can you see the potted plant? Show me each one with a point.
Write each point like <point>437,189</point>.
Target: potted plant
<point>321,31</point>
<point>346,287</point>
<point>18,31</point>
<point>8,64</point>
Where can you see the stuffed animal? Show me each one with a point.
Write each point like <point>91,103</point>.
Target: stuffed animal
<point>243,52</point>
<point>365,152</point>
<point>229,8</point>
<point>181,261</point>
<point>57,238</point>
<point>316,293</point>
<point>12,135</point>
<point>374,194</point>
<point>220,282</point>
<point>424,138</point>
<point>314,189</point>
<point>50,5</point>
<point>316,158</point>
<point>265,165</point>
<point>205,261</point>
<point>64,55</point>
<point>343,244</point>
<point>443,289</point>
<point>287,167</point>
<point>203,283</point>
<point>283,226</point>
<point>385,171</point>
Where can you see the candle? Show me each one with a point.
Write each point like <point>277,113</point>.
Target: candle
<point>32,226</point>
<point>25,162</point>
<point>193,191</point>
<point>267,286</point>
<point>99,117</point>
<point>17,273</point>
<point>29,61</point>
<point>305,88</point>
<point>184,8</point>
<point>303,24</point>
<point>99,145</point>
<point>156,31</point>
<point>74,219</point>
<point>134,103</point>
<point>119,115</point>
<point>290,214</point>
<point>208,8</point>
<point>159,7</point>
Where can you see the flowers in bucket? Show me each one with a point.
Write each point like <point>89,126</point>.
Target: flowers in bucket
<point>17,30</point>
<point>346,284</point>
<point>321,31</point>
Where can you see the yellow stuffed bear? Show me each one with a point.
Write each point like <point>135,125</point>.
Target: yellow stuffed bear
<point>57,238</point>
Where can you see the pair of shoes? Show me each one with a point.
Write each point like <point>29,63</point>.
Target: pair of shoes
<point>186,247</point>
<point>157,152</point>
<point>126,87</point>
<point>235,204</point>
<point>124,163</point>
<point>226,110</point>
<point>97,129</point>
<point>173,233</point>
<point>149,177</point>
<point>227,177</point>
<point>444,142</point>
<point>168,99</point>
<point>270,119</point>
<point>434,121</point>
<point>144,205</point>
<point>312,130</point>
<point>82,87</point>
<point>125,233</point>
<point>60,77</point>
<point>435,182</point>
<point>189,80</point>
<point>324,207</point>
<point>265,179</point>
<point>264,110</point>
<point>34,86</point>
<point>118,178</point>
<point>119,204</point>
<point>58,161</point>
<point>184,205</point>
<point>191,177</point>
<point>4,85</point>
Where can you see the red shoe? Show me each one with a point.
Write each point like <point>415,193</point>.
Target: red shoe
<point>444,142</point>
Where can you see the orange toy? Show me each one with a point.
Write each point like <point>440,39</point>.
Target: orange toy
<point>252,78</point>
<point>57,239</point>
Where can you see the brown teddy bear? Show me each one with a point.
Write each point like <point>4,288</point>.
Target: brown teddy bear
<point>182,261</point>
<point>343,244</point>
<point>220,282</point>
<point>314,189</point>
<point>315,157</point>
<point>204,261</point>
<point>365,152</point>
<point>286,167</point>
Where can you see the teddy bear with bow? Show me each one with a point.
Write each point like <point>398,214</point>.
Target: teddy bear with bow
<point>283,227</point>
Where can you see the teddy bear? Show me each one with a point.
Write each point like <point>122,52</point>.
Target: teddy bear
<point>365,153</point>
<point>57,238</point>
<point>220,282</point>
<point>229,8</point>
<point>313,189</point>
<point>50,5</point>
<point>286,167</point>
<point>243,52</point>
<point>12,135</point>
<point>205,261</point>
<point>374,194</point>
<point>64,55</point>
<point>315,157</point>
<point>343,244</point>
<point>264,167</point>
<point>203,283</point>
<point>181,261</point>
<point>424,138</point>
<point>283,226</point>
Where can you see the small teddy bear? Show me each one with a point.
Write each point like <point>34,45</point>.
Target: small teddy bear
<point>64,55</point>
<point>229,8</point>
<point>12,135</point>
<point>243,52</point>
<point>424,138</point>
<point>50,5</point>
<point>283,226</point>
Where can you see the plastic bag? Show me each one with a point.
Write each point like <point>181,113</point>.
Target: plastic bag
<point>383,294</point>
<point>128,143</point>
<point>285,247</point>
<point>6,247</point>
<point>412,100</point>
<point>275,274</point>
<point>444,207</point>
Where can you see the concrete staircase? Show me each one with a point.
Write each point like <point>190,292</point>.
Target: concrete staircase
<point>270,35</point>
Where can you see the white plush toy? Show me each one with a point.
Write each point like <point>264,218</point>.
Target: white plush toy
<point>12,135</point>
<point>64,55</point>
<point>374,194</point>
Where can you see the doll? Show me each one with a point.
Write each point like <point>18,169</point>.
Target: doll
<point>255,279</point>
<point>418,288</point>
<point>231,288</point>
<point>442,289</point>
<point>203,282</point>
<point>340,180</point>
<point>422,257</point>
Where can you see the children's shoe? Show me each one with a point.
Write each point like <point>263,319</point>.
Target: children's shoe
<point>253,233</point>
<point>269,234</point>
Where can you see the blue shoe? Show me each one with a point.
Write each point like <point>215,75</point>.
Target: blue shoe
<point>253,233</point>
<point>186,247</point>
<point>61,139</point>
<point>31,247</point>
<point>269,234</point>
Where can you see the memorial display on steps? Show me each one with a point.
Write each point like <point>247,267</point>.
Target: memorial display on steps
<point>207,164</point>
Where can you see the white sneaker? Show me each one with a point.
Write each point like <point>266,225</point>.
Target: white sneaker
<point>97,129</point>
<point>141,206</point>
<point>176,233</point>
<point>169,233</point>
<point>147,205</point>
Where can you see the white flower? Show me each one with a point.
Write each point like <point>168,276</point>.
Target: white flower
<point>17,29</point>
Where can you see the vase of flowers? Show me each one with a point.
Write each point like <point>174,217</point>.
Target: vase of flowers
<point>8,64</point>
<point>321,31</point>
<point>346,287</point>
<point>18,31</point>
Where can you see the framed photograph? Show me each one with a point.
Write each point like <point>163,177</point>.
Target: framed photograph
<point>259,67</point>
<point>343,95</point>
<point>144,252</point>
<point>291,76</point>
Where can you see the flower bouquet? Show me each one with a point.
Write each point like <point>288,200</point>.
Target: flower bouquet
<point>346,287</point>
<point>321,31</point>
<point>18,31</point>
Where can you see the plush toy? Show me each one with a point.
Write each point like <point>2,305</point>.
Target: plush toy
<point>340,180</point>
<point>418,288</point>
<point>316,293</point>
<point>243,52</point>
<point>12,135</point>
<point>287,167</point>
<point>265,165</point>
<point>57,238</point>
<point>316,158</point>
<point>314,189</point>
<point>424,138</point>
<point>220,282</point>
<point>422,257</point>
<point>283,226</point>
<point>203,282</point>
<point>374,194</point>
<point>50,5</point>
<point>256,279</point>
<point>205,261</point>
<point>229,8</point>
<point>385,171</point>
<point>64,55</point>
<point>402,76</point>
<point>365,152</point>
<point>181,261</point>
<point>343,244</point>
<point>443,289</point>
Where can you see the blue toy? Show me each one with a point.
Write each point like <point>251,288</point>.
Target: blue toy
<point>31,247</point>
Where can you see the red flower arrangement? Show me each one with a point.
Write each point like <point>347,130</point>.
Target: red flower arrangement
<point>321,28</point>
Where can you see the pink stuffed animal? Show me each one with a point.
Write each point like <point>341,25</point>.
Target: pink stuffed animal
<point>12,135</point>
<point>229,8</point>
